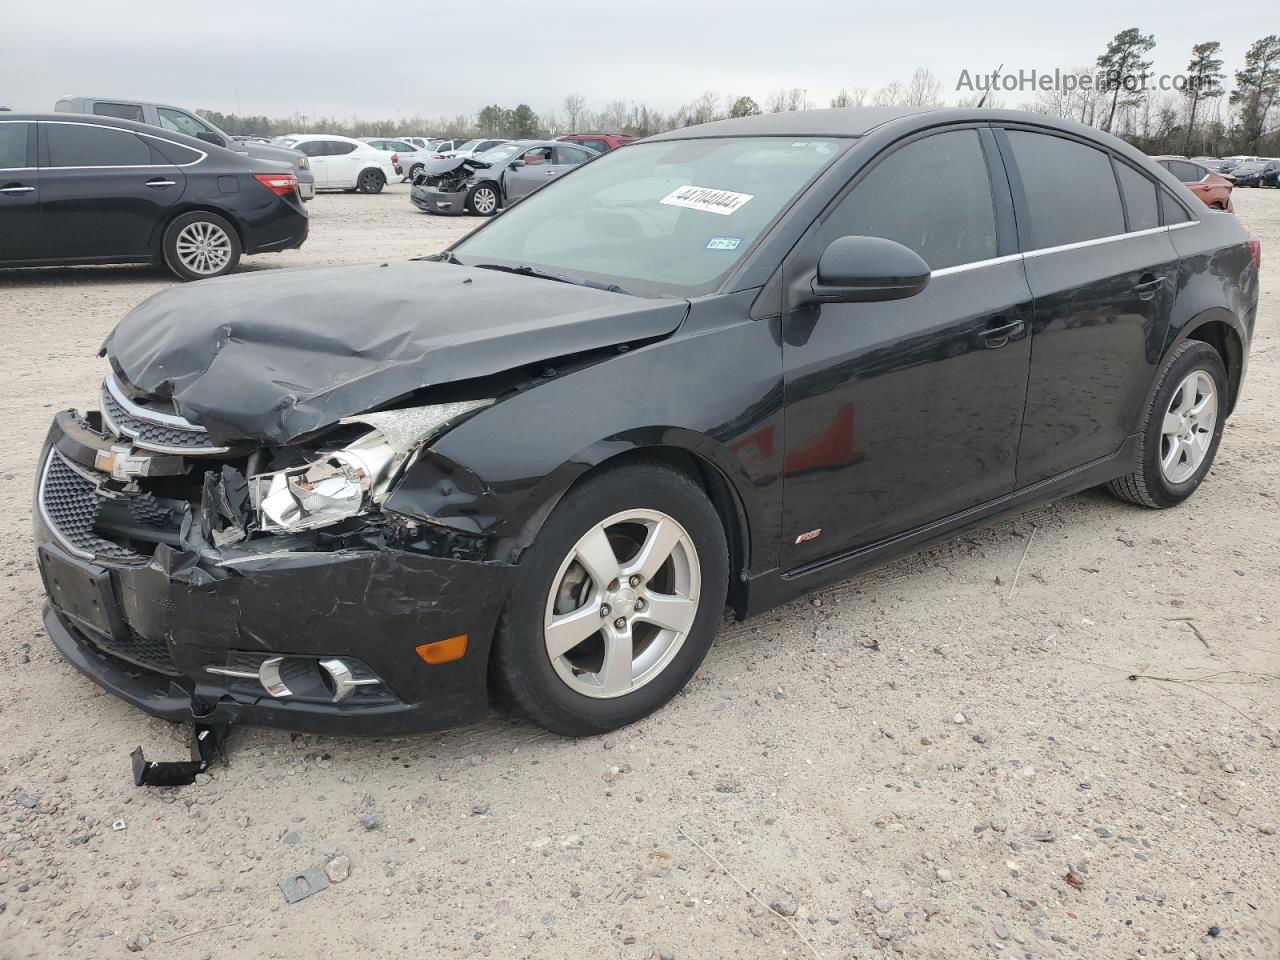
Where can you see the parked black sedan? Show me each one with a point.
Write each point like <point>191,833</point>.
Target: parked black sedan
<point>721,366</point>
<point>86,189</point>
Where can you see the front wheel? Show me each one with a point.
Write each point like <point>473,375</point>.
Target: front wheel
<point>483,200</point>
<point>617,602</point>
<point>371,181</point>
<point>1180,430</point>
<point>200,245</point>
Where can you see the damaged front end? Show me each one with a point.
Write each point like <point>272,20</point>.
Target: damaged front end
<point>222,583</point>
<point>442,185</point>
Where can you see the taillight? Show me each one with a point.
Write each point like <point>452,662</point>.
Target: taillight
<point>281,184</point>
<point>395,159</point>
<point>1255,252</point>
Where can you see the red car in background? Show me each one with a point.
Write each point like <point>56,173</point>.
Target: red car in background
<point>604,142</point>
<point>1213,188</point>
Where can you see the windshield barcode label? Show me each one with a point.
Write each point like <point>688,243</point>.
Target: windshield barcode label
<point>706,199</point>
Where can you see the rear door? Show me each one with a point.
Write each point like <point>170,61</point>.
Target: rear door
<point>315,153</point>
<point>902,413</point>
<point>1103,273</point>
<point>104,191</point>
<point>21,233</point>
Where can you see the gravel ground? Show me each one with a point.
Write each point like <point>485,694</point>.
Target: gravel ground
<point>931,760</point>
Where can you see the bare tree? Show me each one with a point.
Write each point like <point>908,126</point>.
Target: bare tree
<point>776,102</point>
<point>891,95</point>
<point>614,117</point>
<point>575,105</point>
<point>924,90</point>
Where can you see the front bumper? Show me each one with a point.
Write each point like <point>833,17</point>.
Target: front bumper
<point>147,629</point>
<point>437,201</point>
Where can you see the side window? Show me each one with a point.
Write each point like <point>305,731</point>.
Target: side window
<point>175,152</point>
<point>1139,198</point>
<point>1174,212</point>
<point>1186,172</point>
<point>312,148</point>
<point>601,145</point>
<point>83,145</point>
<point>1070,189</point>
<point>338,148</point>
<point>121,111</point>
<point>573,155</point>
<point>14,138</point>
<point>933,195</point>
<point>537,155</point>
<point>180,122</point>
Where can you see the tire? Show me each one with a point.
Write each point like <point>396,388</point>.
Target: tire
<point>484,199</point>
<point>200,245</point>
<point>1165,477</point>
<point>575,694</point>
<point>371,181</point>
<point>414,171</point>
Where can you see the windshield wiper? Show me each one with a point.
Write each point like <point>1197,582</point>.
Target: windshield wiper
<point>448,256</point>
<point>528,271</point>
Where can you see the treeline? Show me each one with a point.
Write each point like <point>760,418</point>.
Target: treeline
<point>1206,114</point>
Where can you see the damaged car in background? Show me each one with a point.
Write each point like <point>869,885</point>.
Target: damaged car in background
<point>719,367</point>
<point>484,184</point>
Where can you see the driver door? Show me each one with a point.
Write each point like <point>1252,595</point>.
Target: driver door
<point>902,413</point>
<point>536,168</point>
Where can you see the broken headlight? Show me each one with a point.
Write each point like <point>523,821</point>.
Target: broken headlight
<point>354,479</point>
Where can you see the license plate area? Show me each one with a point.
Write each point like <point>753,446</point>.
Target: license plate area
<point>82,592</point>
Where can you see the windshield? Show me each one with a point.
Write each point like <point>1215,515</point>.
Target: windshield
<point>466,146</point>
<point>504,152</point>
<point>666,219</point>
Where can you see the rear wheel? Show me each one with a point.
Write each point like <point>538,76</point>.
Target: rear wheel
<point>200,245</point>
<point>483,200</point>
<point>1181,429</point>
<point>414,171</point>
<point>617,602</point>
<point>371,181</point>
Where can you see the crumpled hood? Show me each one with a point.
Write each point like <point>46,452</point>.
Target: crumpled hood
<point>277,356</point>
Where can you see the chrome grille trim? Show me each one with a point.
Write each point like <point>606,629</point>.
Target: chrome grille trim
<point>69,501</point>
<point>150,429</point>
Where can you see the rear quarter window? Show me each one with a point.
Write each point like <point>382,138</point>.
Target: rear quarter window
<point>1070,189</point>
<point>121,111</point>
<point>1139,198</point>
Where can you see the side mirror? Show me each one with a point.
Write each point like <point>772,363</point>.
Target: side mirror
<point>208,136</point>
<point>516,164</point>
<point>868,269</point>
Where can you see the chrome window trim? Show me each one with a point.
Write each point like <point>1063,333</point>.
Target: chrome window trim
<point>1081,244</point>
<point>131,166</point>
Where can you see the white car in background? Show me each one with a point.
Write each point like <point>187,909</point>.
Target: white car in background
<point>469,148</point>
<point>410,157</point>
<point>343,163</point>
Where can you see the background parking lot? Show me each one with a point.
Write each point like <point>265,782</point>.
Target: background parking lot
<point>1055,736</point>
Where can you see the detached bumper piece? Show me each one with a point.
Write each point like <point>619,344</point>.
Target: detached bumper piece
<point>206,747</point>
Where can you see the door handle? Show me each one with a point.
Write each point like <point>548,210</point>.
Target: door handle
<point>160,183</point>
<point>16,189</point>
<point>1146,288</point>
<point>551,173</point>
<point>999,331</point>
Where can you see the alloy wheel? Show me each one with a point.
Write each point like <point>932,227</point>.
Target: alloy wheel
<point>622,603</point>
<point>484,200</point>
<point>1188,429</point>
<point>203,247</point>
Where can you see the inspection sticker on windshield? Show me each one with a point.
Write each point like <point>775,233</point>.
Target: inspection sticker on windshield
<point>724,243</point>
<point>706,199</point>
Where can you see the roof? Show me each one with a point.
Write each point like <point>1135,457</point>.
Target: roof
<point>837,122</point>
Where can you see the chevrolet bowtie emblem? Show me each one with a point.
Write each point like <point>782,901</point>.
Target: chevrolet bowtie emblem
<point>122,463</point>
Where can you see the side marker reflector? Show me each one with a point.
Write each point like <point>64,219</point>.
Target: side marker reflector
<point>444,651</point>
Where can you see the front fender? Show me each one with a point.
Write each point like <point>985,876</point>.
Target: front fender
<point>499,473</point>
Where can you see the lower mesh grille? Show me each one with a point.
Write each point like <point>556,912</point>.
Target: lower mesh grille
<point>70,503</point>
<point>151,654</point>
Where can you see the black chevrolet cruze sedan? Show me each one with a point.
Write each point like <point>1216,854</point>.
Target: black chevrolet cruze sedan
<point>716,368</point>
<point>88,189</point>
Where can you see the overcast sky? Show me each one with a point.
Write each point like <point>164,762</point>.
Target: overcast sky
<point>380,60</point>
